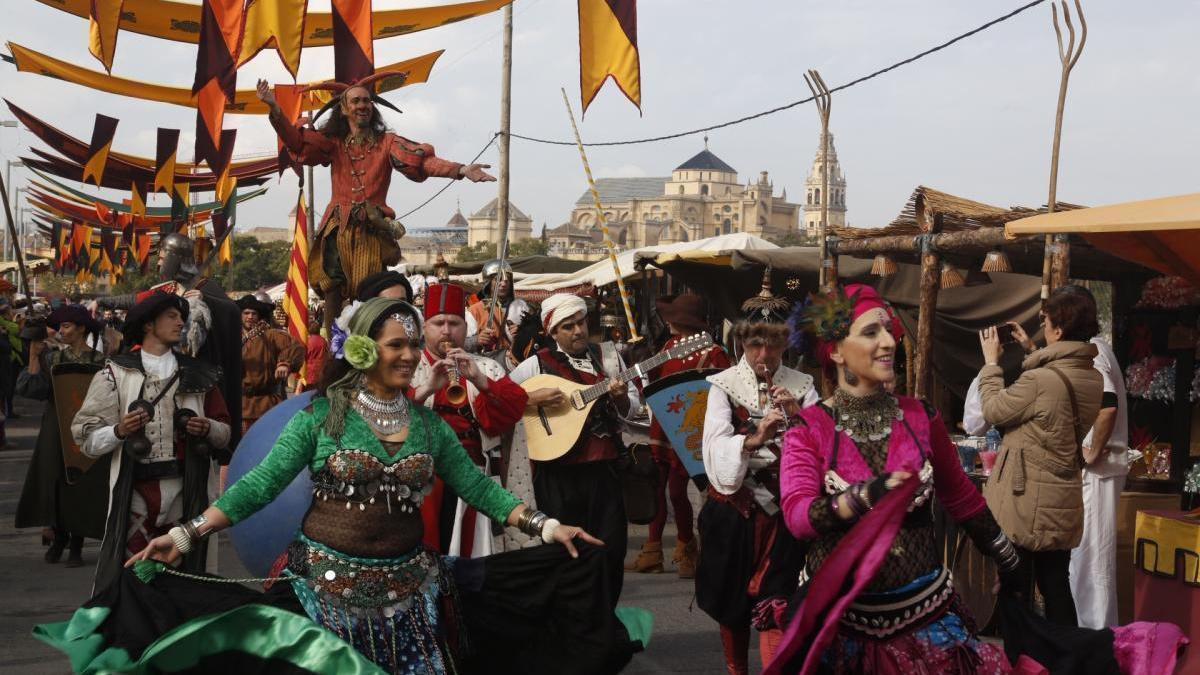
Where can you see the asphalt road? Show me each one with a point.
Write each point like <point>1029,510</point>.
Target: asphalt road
<point>685,640</point>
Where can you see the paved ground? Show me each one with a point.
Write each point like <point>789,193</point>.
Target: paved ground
<point>685,640</point>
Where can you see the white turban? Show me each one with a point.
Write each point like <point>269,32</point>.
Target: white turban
<point>560,307</point>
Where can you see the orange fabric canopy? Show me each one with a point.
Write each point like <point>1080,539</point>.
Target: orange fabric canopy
<point>1162,234</point>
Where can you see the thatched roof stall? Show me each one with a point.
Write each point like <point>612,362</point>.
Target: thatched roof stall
<point>936,228</point>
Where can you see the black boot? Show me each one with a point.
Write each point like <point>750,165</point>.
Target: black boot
<point>54,553</point>
<point>75,556</point>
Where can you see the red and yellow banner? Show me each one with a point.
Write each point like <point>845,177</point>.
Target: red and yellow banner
<point>104,17</point>
<point>608,48</point>
<point>295,298</point>
<point>103,133</point>
<point>277,24</point>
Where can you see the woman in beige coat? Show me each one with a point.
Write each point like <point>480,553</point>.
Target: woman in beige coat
<point>1035,490</point>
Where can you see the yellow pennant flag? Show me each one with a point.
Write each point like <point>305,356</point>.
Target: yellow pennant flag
<point>137,200</point>
<point>104,19</point>
<point>608,48</point>
<point>278,24</point>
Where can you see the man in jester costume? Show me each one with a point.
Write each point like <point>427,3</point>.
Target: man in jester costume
<point>358,232</point>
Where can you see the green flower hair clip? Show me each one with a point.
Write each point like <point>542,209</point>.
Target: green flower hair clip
<point>361,352</point>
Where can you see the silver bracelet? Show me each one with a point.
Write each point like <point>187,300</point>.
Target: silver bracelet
<point>182,540</point>
<point>548,529</point>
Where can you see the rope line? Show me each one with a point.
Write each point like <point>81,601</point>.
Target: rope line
<point>793,104</point>
<point>450,182</point>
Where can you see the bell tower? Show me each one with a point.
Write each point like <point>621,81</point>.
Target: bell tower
<point>814,186</point>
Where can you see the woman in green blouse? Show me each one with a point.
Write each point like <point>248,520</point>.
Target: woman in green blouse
<point>357,567</point>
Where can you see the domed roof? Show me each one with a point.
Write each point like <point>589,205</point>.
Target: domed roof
<point>457,220</point>
<point>705,161</point>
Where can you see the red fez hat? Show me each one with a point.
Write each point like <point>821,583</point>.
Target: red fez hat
<point>445,299</point>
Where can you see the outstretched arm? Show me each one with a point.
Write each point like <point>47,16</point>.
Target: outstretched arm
<point>306,145</point>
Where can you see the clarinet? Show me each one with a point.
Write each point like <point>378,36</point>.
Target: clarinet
<point>764,389</point>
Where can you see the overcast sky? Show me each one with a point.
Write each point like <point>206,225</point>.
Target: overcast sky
<point>975,119</point>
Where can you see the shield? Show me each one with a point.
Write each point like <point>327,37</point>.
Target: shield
<point>679,402</point>
<point>71,382</point>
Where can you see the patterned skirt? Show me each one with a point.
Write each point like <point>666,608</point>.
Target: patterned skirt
<point>922,627</point>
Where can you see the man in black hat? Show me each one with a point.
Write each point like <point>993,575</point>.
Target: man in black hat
<point>73,510</point>
<point>164,460</point>
<point>269,355</point>
<point>213,320</point>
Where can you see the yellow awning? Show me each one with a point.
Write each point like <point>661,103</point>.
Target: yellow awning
<point>1163,234</point>
<point>180,21</point>
<point>245,101</point>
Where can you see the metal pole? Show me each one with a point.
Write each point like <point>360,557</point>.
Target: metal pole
<point>20,257</point>
<point>608,243</point>
<point>312,209</point>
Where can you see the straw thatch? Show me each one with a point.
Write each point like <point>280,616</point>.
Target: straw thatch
<point>957,214</point>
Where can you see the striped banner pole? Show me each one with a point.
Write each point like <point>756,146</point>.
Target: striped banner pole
<point>295,298</point>
<point>612,250</point>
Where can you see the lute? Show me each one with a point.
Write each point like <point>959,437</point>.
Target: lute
<point>552,431</point>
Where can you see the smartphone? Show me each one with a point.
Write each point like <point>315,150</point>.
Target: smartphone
<point>1005,333</point>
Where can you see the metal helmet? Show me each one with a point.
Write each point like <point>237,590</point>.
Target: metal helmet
<point>492,267</point>
<point>262,296</point>
<point>177,257</point>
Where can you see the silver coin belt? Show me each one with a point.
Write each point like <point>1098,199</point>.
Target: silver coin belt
<point>363,587</point>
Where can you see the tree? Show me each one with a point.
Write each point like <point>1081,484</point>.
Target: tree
<point>486,250</point>
<point>255,264</point>
<point>524,247</point>
<point>135,280</point>
<point>482,250</point>
<point>793,239</point>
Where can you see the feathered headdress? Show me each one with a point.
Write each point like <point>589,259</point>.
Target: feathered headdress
<point>825,317</point>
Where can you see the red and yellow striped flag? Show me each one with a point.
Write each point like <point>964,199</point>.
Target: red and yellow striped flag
<point>295,298</point>
<point>608,48</point>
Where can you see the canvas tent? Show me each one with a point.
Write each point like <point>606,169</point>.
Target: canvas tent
<point>1163,234</point>
<point>601,272</point>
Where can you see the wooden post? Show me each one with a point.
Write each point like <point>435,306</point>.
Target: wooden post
<point>931,283</point>
<point>505,127</point>
<point>822,99</point>
<point>1057,255</point>
<point>909,375</point>
<point>502,197</point>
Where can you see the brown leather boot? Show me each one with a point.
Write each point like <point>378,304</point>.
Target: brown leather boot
<point>649,561</point>
<point>685,560</point>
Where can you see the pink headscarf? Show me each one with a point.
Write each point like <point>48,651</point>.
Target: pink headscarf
<point>862,299</point>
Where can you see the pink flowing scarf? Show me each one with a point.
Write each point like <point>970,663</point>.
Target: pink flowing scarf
<point>854,563</point>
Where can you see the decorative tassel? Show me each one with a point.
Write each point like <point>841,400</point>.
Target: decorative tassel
<point>146,570</point>
<point>883,266</point>
<point>996,261</point>
<point>951,278</point>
